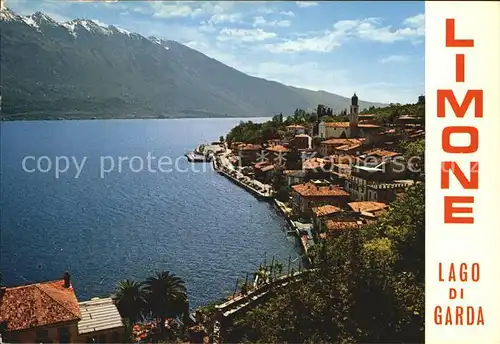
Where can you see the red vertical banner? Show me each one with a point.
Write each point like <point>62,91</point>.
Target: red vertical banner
<point>462,180</point>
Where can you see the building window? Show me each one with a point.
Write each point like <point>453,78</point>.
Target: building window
<point>42,336</point>
<point>90,340</point>
<point>115,337</point>
<point>63,333</point>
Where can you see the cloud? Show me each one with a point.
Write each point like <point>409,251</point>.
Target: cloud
<point>165,30</point>
<point>324,41</point>
<point>370,29</point>
<point>206,27</point>
<point>260,21</point>
<point>244,35</point>
<point>304,4</point>
<point>169,10</point>
<point>219,18</point>
<point>52,8</point>
<point>395,58</point>
<point>183,8</point>
<point>287,13</point>
<point>415,21</point>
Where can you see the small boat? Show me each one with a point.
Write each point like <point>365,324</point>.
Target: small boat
<point>195,158</point>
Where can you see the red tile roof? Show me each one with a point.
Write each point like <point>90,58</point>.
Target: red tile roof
<point>368,126</point>
<point>261,164</point>
<point>367,206</point>
<point>348,147</point>
<point>295,126</point>
<point>314,163</point>
<point>249,147</point>
<point>382,153</point>
<point>38,304</point>
<point>325,210</point>
<point>278,148</point>
<point>337,124</point>
<point>341,142</point>
<point>267,168</point>
<point>311,190</point>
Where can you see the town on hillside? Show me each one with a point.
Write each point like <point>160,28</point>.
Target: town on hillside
<point>327,174</point>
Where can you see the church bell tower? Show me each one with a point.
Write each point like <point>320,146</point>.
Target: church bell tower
<point>354,112</point>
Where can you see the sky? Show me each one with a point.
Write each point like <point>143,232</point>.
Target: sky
<point>375,49</point>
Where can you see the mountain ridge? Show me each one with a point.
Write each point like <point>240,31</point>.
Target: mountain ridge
<point>81,68</point>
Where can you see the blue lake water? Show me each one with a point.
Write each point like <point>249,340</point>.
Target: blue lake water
<point>104,227</point>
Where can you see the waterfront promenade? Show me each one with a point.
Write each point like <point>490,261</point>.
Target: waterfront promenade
<point>239,303</point>
<point>222,165</point>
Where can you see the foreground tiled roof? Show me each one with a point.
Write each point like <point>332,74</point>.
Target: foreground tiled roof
<point>38,304</point>
<point>325,210</point>
<point>311,190</point>
<point>367,206</point>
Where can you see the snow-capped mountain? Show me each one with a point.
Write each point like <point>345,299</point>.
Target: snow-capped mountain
<point>39,19</point>
<point>83,66</point>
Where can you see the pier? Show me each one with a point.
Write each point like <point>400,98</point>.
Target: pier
<point>204,153</point>
<point>193,157</point>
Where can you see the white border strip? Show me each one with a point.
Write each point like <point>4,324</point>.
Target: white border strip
<point>463,244</point>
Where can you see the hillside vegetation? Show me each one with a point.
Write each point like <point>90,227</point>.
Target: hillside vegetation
<point>369,287</point>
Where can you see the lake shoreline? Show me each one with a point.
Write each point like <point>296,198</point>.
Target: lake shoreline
<point>15,118</point>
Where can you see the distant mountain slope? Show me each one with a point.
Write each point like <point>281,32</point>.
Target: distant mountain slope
<point>81,69</point>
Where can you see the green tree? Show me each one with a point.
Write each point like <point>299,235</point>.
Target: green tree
<point>414,154</point>
<point>130,299</point>
<point>368,287</point>
<point>166,296</point>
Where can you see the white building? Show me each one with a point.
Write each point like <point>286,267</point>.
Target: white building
<point>296,129</point>
<point>351,129</point>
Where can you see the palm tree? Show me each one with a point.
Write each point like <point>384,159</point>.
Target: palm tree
<point>166,296</point>
<point>130,299</point>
